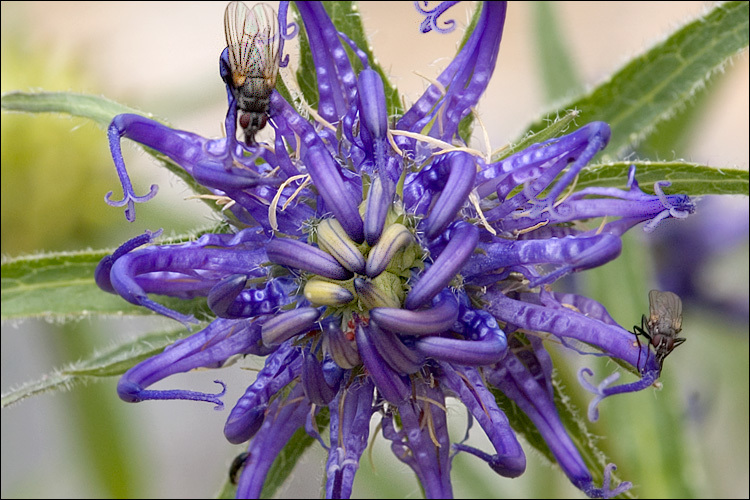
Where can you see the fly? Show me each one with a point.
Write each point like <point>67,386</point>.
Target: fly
<point>253,38</point>
<point>237,464</point>
<point>663,324</point>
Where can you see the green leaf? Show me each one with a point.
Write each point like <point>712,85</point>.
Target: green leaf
<point>282,88</point>
<point>558,127</point>
<point>658,84</point>
<point>61,286</point>
<point>306,75</point>
<point>686,178</point>
<point>96,108</point>
<point>101,111</point>
<point>285,461</point>
<point>113,361</point>
<point>658,423</point>
<point>676,132</point>
<point>521,423</point>
<point>585,441</point>
<point>577,430</point>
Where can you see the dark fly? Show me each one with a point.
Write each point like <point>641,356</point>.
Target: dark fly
<point>253,41</point>
<point>663,324</point>
<point>237,464</point>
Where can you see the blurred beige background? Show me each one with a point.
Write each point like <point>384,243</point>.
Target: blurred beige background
<point>162,57</point>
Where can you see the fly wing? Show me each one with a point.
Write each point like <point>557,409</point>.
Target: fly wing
<point>666,311</point>
<point>253,38</point>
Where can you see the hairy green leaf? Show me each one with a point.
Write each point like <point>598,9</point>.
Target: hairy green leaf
<point>96,108</point>
<point>101,111</point>
<point>558,127</point>
<point>686,178</point>
<point>291,453</point>
<point>664,80</point>
<point>110,362</point>
<point>284,463</point>
<point>583,439</point>
<point>61,286</point>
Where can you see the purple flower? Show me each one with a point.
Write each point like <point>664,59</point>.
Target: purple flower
<point>382,269</point>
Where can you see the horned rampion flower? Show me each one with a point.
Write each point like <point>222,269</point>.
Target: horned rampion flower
<point>381,266</point>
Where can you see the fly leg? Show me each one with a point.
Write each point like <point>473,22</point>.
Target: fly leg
<point>639,331</point>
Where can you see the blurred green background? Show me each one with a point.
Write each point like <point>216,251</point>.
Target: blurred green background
<point>688,440</point>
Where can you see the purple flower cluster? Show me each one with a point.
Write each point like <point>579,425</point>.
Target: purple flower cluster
<point>382,268</point>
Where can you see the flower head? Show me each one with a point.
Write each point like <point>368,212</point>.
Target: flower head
<point>382,267</point>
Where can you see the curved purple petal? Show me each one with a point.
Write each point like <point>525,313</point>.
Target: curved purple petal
<point>299,255</point>
<point>435,319</point>
<point>467,383</point>
<point>392,386</point>
<point>286,325</point>
<point>283,418</point>
<point>210,347</point>
<point>458,186</point>
<point>350,412</point>
<point>423,443</point>
<point>247,416</point>
<point>462,240</point>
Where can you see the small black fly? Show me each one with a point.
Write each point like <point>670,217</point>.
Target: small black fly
<point>253,40</point>
<point>237,464</point>
<point>663,324</point>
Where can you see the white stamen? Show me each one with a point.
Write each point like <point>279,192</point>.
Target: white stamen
<point>446,148</point>
<point>529,229</point>
<point>485,136</point>
<point>274,203</point>
<point>474,199</point>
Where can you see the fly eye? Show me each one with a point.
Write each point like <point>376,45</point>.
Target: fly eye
<point>245,119</point>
